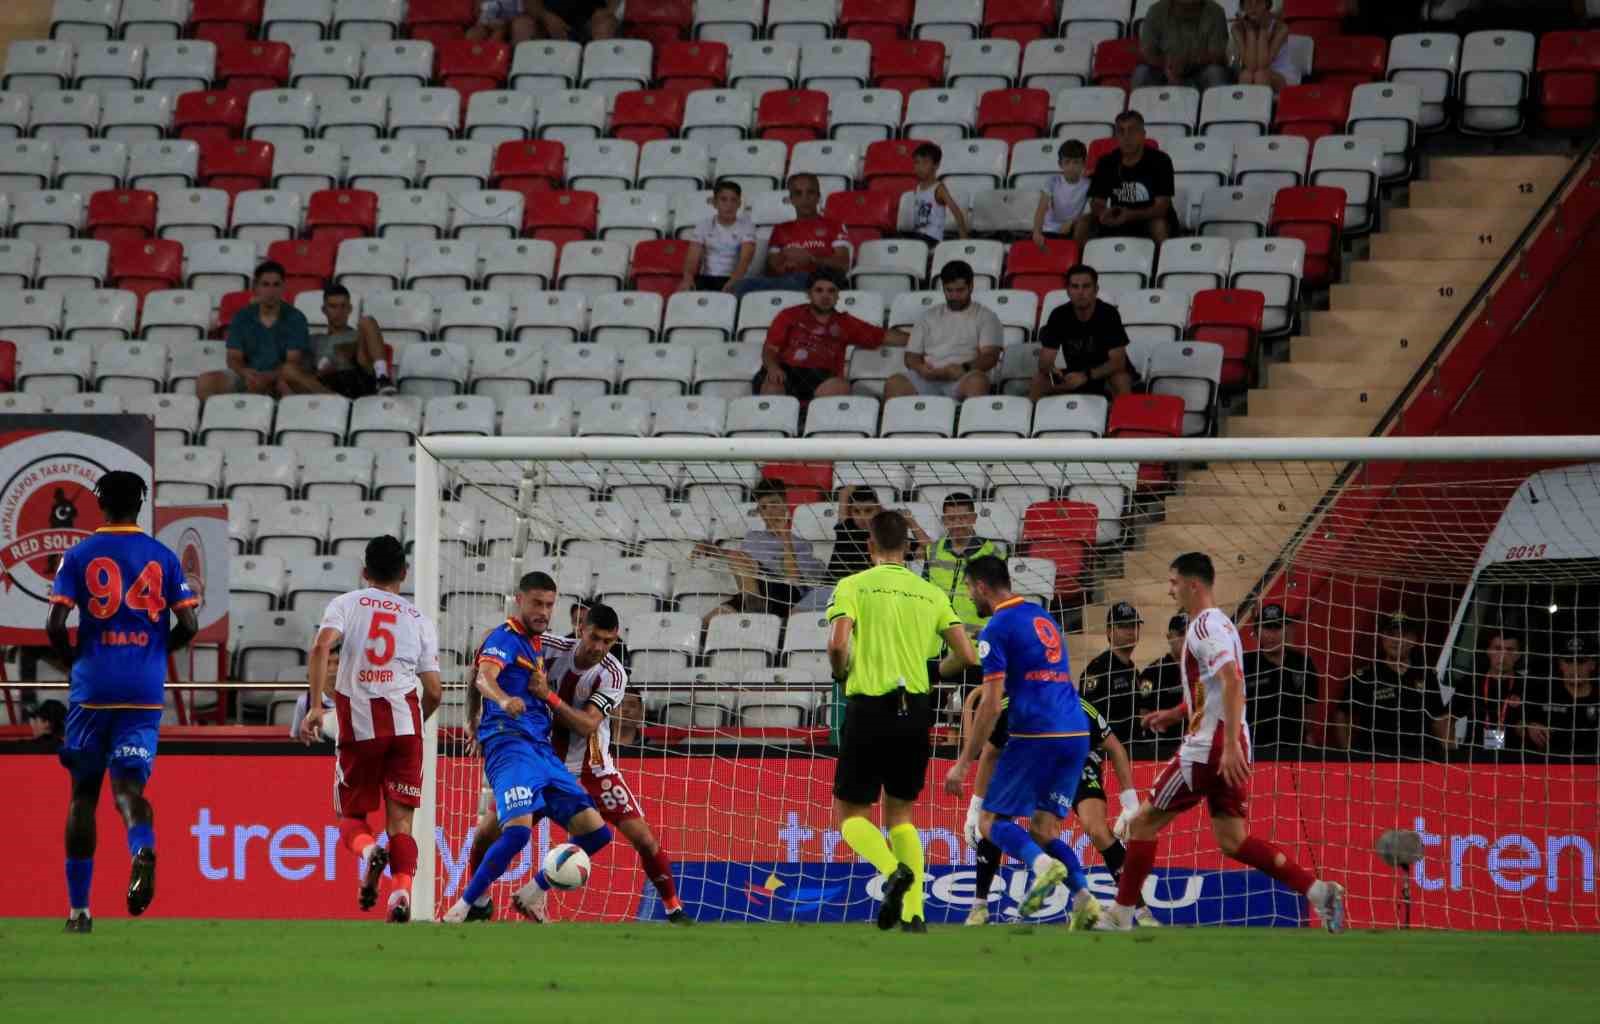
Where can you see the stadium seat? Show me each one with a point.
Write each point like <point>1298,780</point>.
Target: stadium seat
<point>940,115</point>
<point>1312,111</point>
<point>145,266</point>
<point>29,164</point>
<point>1232,319</point>
<point>83,22</point>
<point>45,216</point>
<point>688,416</point>
<point>29,316</point>
<point>642,116</point>
<point>37,66</point>
<point>742,642</point>
<point>256,583</point>
<point>890,266</point>
<point>84,404</point>
<point>579,371</point>
<point>245,66</point>
<point>699,318</point>
<point>335,215</point>
<point>130,368</point>
<point>266,215</point>
<point>189,362</point>
<point>300,23</point>
<point>72,263</point>
<point>307,167</point>
<point>714,117</point>
<point>490,215</point>
<point>1236,213</point>
<point>1069,416</point>
<point>842,416</point>
<point>625,319</point>
<point>456,168</point>
<point>193,215</point>
<point>602,165</point>
<point>1170,112</point>
<point>1062,532</point>
<point>539,67</point>
<point>403,316</point>
<point>728,21</point>
<point>424,115</point>
<point>1192,371</point>
<point>61,116</point>
<point>307,263</point>
<point>445,270</point>
<point>260,475</point>
<point>551,317</point>
<point>101,315</point>
<point>1566,81</point>
<point>995,416</point>
<point>312,583</point>
<point>725,371</point>
<point>1145,416</point>
<point>495,116</point>
<point>218,268</point>
<point>792,115</point>
<point>1124,264</point>
<point>755,68</point>
<point>281,116</point>
<point>763,416</point>
<point>385,421</point>
<point>119,214</point>
<point>236,421</point>
<point>353,525</point>
<point>1428,60</point>
<point>1496,72</point>
<point>865,116</point>
<point>656,371</point>
<point>311,421</point>
<point>370,264</point>
<point>1354,164</point>
<point>1115,61</point>
<point>472,65</point>
<point>18,260</point>
<point>1271,162</point>
<point>1189,265</point>
<point>561,216</point>
<point>614,416</point>
<point>571,115</point>
<point>866,215</point>
<point>683,67</point>
<point>1314,215</point>
<point>527,167</point>
<point>236,165</point>
<point>135,116</point>
<point>209,116</point>
<point>14,108</point>
<point>1039,270</point>
<point>53,368</point>
<point>325,68</point>
<point>1391,114</point>
<point>592,267</point>
<point>176,416</point>
<point>188,474</point>
<point>673,165</point>
<point>1153,315</point>
<point>107,67</point>
<point>1236,112</point>
<point>352,118</point>
<point>1013,115</point>
<point>449,414</point>
<point>835,66</point>
<point>1087,113</point>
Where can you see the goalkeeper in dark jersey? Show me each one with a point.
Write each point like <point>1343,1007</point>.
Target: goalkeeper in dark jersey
<point>1088,803</point>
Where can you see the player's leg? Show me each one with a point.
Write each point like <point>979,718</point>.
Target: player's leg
<point>986,853</point>
<point>566,801</point>
<point>1232,833</point>
<point>857,784</point>
<point>133,754</point>
<point>1017,789</point>
<point>357,792</point>
<point>516,773</point>
<point>621,810</point>
<point>1173,794</point>
<point>402,793</point>
<point>80,844</point>
<point>906,845</point>
<point>484,833</point>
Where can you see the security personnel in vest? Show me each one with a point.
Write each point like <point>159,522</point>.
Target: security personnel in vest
<point>946,563</point>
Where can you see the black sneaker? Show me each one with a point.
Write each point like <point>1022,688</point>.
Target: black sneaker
<point>376,862</point>
<point>481,911</point>
<point>83,924</point>
<point>679,916</point>
<point>894,897</point>
<point>142,881</point>
<point>916,926</point>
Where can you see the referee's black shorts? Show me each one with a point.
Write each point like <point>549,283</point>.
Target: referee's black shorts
<point>884,746</point>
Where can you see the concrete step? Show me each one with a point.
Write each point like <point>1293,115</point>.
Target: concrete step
<point>1313,378</point>
<point>1442,298</point>
<point>1441,246</point>
<point>1495,223</point>
<point>1479,195</point>
<point>1353,401</point>
<point>1309,425</point>
<point>1421,271</point>
<point>1153,602</point>
<point>1368,350</point>
<point>1497,168</point>
<point>1416,326</point>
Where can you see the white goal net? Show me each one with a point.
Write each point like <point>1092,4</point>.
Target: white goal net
<point>1420,623</point>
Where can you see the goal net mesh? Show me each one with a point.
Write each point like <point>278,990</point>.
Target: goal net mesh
<point>1392,683</point>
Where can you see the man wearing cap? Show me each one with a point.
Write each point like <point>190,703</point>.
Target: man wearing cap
<point>1393,704</point>
<point>1161,687</point>
<point>1563,714</point>
<point>1281,684</point>
<point>1110,679</point>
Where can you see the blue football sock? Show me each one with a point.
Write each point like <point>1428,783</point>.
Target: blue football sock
<point>1014,839</point>
<point>1062,852</point>
<point>512,839</point>
<point>141,837</point>
<point>80,872</point>
<point>593,842</point>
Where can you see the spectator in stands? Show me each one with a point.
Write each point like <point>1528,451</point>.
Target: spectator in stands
<point>1281,685</point>
<point>351,361</point>
<point>722,246</point>
<point>582,21</point>
<point>269,346</point>
<point>1393,705</point>
<point>1260,45</point>
<point>1183,42</point>
<point>852,528</point>
<point>774,568</point>
<point>1063,202</point>
<point>504,21</point>
<point>1563,714</point>
<point>952,347</point>
<point>809,243</point>
<point>1110,680</point>
<point>1486,710</point>
<point>945,565</point>
<point>805,349</point>
<point>930,200</point>
<point>1131,189</point>
<point>1086,338</point>
<point>1161,687</point>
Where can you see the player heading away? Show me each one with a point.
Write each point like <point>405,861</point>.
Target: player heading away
<point>125,585</point>
<point>391,647</point>
<point>1213,764</point>
<point>527,776</point>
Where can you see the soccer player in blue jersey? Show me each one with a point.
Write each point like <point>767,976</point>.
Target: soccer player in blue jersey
<point>126,585</point>
<point>526,775</point>
<point>1025,659</point>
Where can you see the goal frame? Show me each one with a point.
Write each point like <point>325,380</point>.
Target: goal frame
<point>434,449</point>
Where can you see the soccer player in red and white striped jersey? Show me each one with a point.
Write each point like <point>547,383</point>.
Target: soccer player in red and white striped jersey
<point>386,648</point>
<point>1213,764</point>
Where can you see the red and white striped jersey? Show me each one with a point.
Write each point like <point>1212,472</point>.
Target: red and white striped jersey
<point>387,644</point>
<point>601,685</point>
<point>1210,643</point>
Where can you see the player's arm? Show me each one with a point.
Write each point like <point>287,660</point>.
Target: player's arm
<point>983,721</point>
<point>188,625</point>
<point>839,634</point>
<point>583,721</point>
<point>432,692</point>
<point>1235,767</point>
<point>487,682</point>
<point>317,679</point>
<point>961,656</point>
<point>55,627</point>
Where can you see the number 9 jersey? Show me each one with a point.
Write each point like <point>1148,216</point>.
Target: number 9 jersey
<point>124,583</point>
<point>1023,644</point>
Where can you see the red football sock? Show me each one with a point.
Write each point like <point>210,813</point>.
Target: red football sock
<point>402,855</point>
<point>658,866</point>
<point>355,835</point>
<point>1273,862</point>
<point>1135,869</point>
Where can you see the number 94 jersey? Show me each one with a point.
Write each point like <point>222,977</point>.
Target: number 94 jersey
<point>1023,645</point>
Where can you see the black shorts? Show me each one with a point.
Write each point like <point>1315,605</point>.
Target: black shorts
<point>798,382</point>
<point>884,747</point>
<point>1002,730</point>
<point>1091,785</point>
<point>352,384</point>
<point>576,13</point>
<point>709,283</point>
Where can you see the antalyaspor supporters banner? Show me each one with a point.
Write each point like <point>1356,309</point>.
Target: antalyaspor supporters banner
<point>1505,847</point>
<point>199,536</point>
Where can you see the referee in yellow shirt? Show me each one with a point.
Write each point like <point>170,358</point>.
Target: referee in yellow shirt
<point>893,621</point>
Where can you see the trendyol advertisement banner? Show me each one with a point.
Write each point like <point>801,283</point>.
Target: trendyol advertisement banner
<point>252,836</point>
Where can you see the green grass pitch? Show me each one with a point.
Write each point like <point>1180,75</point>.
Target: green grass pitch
<point>230,972</point>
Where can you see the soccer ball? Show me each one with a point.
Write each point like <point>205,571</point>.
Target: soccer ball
<point>566,867</point>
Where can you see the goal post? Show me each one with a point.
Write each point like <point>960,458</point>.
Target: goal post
<point>1411,549</point>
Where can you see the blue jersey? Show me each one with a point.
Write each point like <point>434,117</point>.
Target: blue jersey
<point>1023,645</point>
<point>125,585</point>
<point>510,647</point>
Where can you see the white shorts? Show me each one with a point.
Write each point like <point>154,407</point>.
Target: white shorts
<point>924,386</point>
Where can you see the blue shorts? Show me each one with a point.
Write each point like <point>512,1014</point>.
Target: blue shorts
<point>121,739</point>
<point>529,779</point>
<point>1036,775</point>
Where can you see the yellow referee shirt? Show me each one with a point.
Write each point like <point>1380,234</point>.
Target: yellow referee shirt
<point>900,621</point>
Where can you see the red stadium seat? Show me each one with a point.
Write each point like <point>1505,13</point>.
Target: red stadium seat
<point>1145,416</point>
<point>1100,147</point>
<point>793,115</point>
<point>658,265</point>
<point>1114,63</point>
<point>336,214</point>
<point>440,21</point>
<point>248,65</point>
<point>1064,532</point>
<point>866,215</point>
<point>1037,270</point>
<point>1022,20</point>
<point>567,215</point>
<point>1312,111</point>
<point>908,65</point>
<point>876,21</point>
<point>1318,19</point>
<point>1315,215</point>
<point>804,481</point>
<point>528,167</point>
<point>231,303</point>
<point>887,165</point>
<point>659,21</point>
<point>1014,115</point>
<point>471,66</point>
<point>1567,80</point>
<point>236,165</point>
<point>307,263</point>
<point>223,21</point>
<point>122,213</point>
<point>645,115</point>
<point>698,64</point>
<point>8,365</point>
<point>147,265</point>
<point>1230,317</point>
<point>1351,60</point>
<point>213,115</point>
